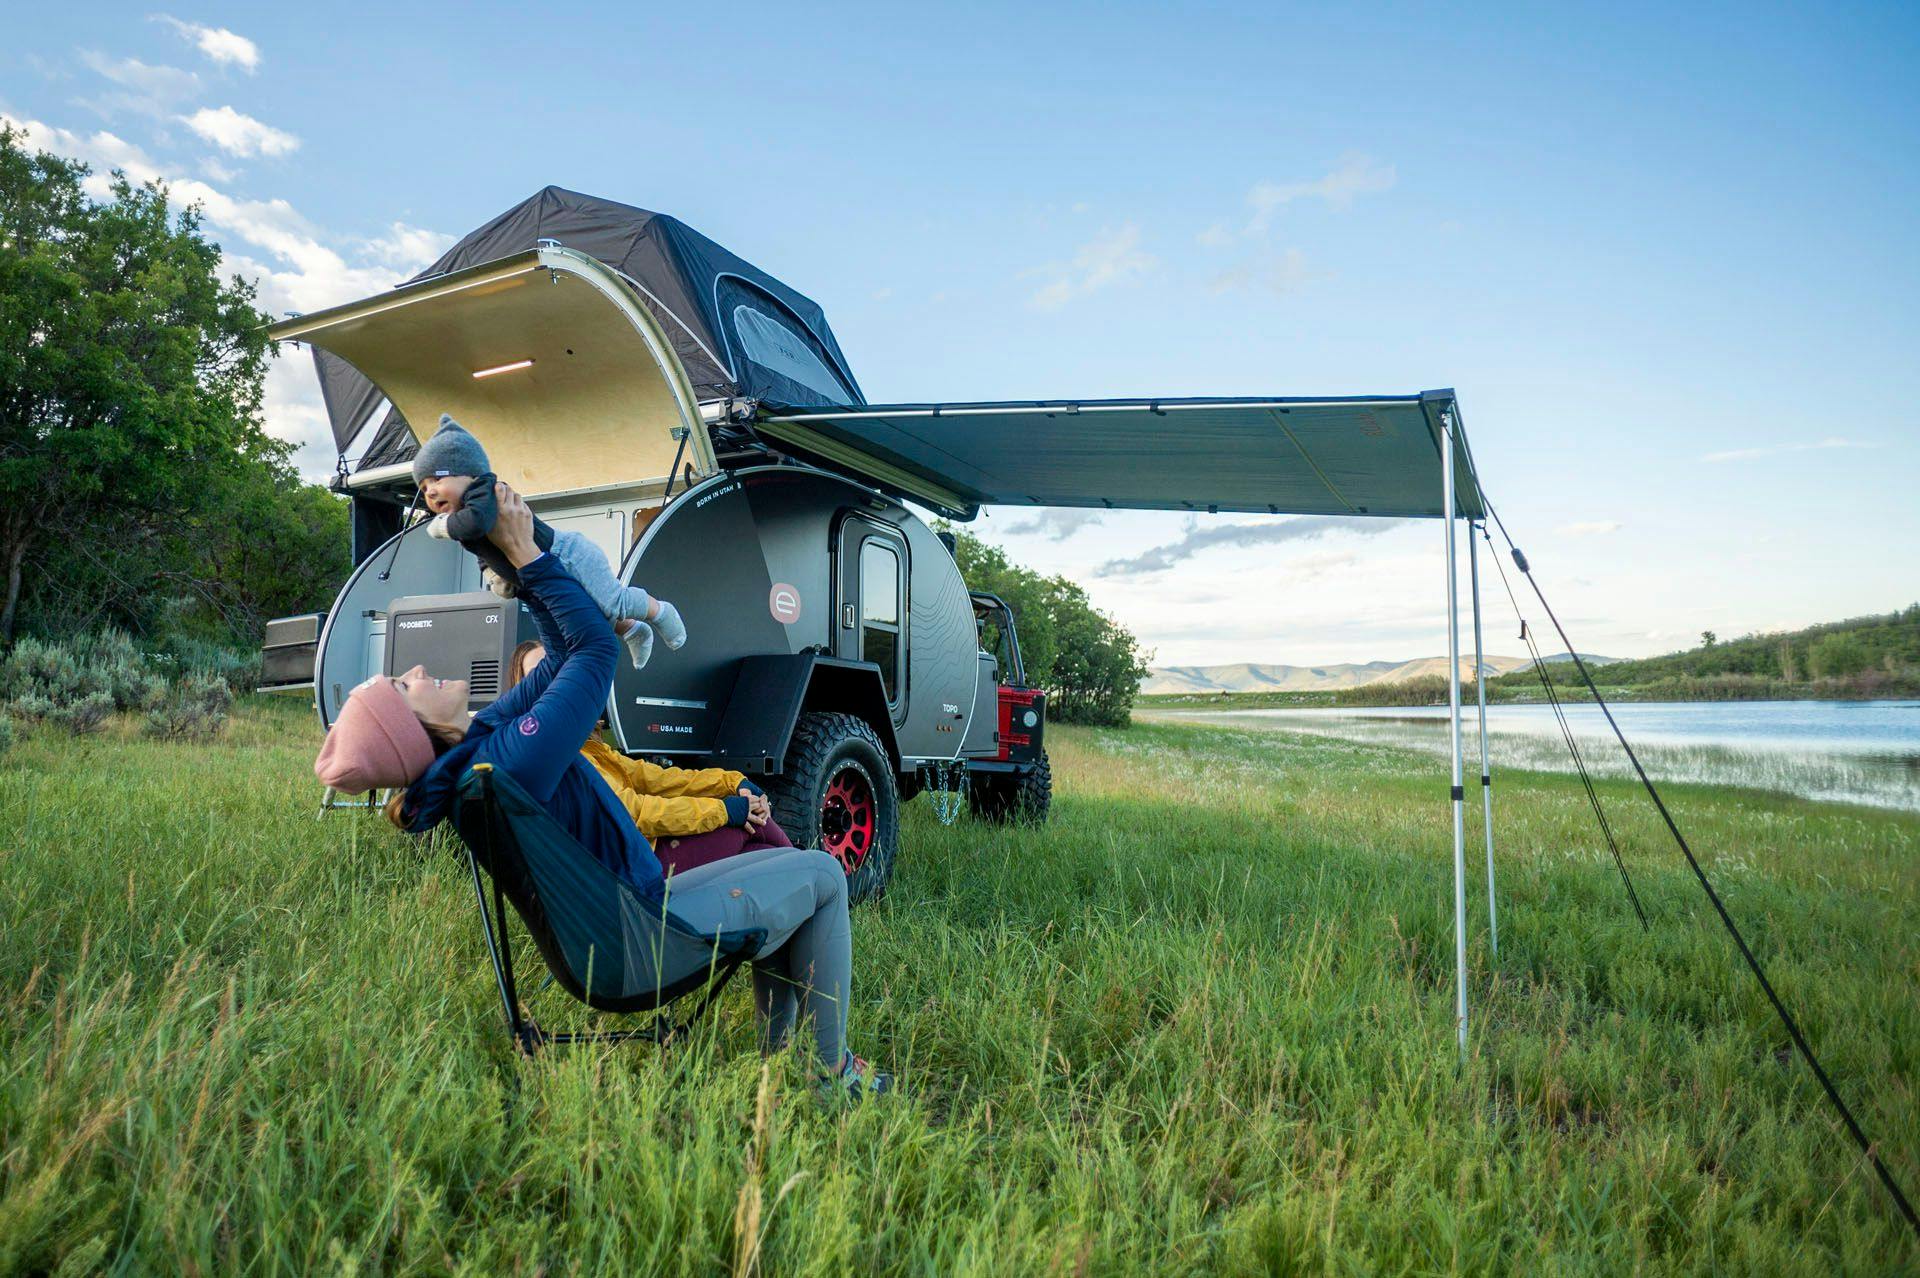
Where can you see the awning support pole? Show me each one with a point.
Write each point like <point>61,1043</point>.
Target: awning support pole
<point>1486,769</point>
<point>1453,722</point>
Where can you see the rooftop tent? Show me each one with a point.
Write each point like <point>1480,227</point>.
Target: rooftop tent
<point>1366,455</point>
<point>737,330</point>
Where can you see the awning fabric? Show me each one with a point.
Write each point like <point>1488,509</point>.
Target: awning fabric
<point>1363,455</point>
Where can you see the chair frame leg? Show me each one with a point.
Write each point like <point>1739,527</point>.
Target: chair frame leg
<point>502,957</point>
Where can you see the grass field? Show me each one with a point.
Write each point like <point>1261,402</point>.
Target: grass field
<point>1200,1023</point>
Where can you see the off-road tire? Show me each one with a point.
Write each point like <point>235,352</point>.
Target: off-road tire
<point>1022,798</point>
<point>832,759</point>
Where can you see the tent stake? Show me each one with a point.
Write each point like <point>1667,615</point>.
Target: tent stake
<point>1459,797</point>
<point>1486,769</point>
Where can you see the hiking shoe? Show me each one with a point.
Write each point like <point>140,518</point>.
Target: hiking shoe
<point>856,1079</point>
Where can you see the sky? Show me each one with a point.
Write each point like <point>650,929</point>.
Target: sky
<point>1667,258</point>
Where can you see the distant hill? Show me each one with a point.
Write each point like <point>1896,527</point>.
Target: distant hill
<point>1876,656</point>
<point>1248,676</point>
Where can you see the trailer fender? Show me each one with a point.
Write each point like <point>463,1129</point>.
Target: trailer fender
<point>770,692</point>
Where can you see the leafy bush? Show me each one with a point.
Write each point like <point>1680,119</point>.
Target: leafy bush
<point>6,734</point>
<point>195,708</point>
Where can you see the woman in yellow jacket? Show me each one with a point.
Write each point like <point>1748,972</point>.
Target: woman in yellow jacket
<point>692,816</point>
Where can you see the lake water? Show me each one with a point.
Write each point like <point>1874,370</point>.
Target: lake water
<point>1847,751</point>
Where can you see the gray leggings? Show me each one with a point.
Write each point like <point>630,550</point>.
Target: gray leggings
<point>799,895</point>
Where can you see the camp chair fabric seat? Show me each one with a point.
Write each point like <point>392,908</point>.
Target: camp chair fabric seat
<point>605,944</point>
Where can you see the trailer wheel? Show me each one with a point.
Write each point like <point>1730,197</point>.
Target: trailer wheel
<point>1024,797</point>
<point>837,794</point>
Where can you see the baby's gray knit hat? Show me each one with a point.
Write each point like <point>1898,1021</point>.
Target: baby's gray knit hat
<point>451,451</point>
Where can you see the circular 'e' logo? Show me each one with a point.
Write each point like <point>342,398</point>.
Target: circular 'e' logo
<point>783,601</point>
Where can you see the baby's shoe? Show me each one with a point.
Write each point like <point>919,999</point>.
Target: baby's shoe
<point>496,583</point>
<point>673,631</point>
<point>437,527</point>
<point>639,641</point>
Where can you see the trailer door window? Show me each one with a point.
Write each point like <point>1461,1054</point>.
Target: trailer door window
<point>880,612</point>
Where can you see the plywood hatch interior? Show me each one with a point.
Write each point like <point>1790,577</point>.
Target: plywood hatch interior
<point>597,407</point>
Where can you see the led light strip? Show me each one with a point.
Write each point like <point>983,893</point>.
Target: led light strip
<point>515,366</point>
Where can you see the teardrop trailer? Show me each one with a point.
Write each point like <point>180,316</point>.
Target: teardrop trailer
<point>695,416</point>
<point>835,649</point>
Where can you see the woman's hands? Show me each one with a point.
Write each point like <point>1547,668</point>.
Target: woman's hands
<point>759,810</point>
<point>512,528</point>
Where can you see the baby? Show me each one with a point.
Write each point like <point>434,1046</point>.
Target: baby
<point>457,486</point>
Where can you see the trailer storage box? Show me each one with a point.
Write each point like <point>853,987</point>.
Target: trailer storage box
<point>286,658</point>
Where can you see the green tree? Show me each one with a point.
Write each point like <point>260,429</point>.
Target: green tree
<point>1837,655</point>
<point>1098,666</point>
<point>1090,666</point>
<point>130,379</point>
<point>987,568</point>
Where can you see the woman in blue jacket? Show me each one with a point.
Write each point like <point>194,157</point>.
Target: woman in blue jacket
<point>410,730</point>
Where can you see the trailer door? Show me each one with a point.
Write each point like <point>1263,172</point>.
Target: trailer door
<point>872,623</point>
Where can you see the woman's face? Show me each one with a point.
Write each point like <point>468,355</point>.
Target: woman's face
<point>433,700</point>
<point>530,661</point>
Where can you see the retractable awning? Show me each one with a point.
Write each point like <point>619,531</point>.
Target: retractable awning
<point>1360,455</point>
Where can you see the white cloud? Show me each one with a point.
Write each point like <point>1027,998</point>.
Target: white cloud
<point>1356,174</point>
<point>407,249</point>
<point>1279,273</point>
<point>1056,523</point>
<point>145,89</point>
<point>1196,537</point>
<point>1114,256</point>
<point>47,68</point>
<point>217,43</point>
<point>239,134</point>
<point>102,150</point>
<point>1777,450</point>
<point>1215,236</point>
<point>1594,528</point>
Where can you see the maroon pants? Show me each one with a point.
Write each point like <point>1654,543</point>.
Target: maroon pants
<point>681,853</point>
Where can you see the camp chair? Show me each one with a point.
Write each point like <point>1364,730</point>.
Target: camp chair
<point>605,945</point>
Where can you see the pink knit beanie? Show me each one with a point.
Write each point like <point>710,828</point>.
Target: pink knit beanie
<point>375,742</point>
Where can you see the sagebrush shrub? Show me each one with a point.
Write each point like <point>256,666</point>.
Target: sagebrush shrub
<point>33,706</point>
<point>77,685</point>
<point>6,734</point>
<point>82,714</point>
<point>38,669</point>
<point>119,668</point>
<point>195,708</point>
<point>241,670</point>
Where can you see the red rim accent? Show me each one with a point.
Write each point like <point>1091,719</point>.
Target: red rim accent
<point>848,818</point>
